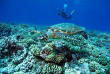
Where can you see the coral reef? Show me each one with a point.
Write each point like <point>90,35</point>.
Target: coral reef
<point>21,51</point>
<point>5,30</point>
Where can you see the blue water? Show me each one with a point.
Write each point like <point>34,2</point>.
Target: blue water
<point>91,14</point>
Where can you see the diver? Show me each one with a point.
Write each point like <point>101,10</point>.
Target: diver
<point>64,14</point>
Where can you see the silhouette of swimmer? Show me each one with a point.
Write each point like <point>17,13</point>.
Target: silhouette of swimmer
<point>64,14</point>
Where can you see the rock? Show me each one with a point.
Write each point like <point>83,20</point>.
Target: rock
<point>85,68</point>
<point>81,69</point>
<point>72,71</point>
<point>18,73</point>
<point>66,65</point>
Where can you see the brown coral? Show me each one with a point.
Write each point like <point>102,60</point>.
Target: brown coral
<point>50,55</point>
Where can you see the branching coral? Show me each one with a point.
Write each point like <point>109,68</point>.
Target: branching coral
<point>35,50</point>
<point>81,41</point>
<point>10,45</point>
<point>19,56</point>
<point>104,36</point>
<point>51,68</point>
<point>5,30</point>
<point>27,64</point>
<point>107,68</point>
<point>99,57</point>
<point>96,67</point>
<point>103,59</point>
<point>96,52</point>
<point>27,42</point>
<point>82,60</point>
<point>55,58</point>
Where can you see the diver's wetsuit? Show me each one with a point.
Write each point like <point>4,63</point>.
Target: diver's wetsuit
<point>64,15</point>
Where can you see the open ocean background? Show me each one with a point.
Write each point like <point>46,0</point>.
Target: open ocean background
<point>91,14</point>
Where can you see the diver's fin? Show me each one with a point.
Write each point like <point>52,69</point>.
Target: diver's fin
<point>72,12</point>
